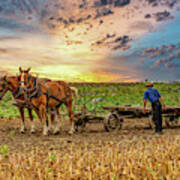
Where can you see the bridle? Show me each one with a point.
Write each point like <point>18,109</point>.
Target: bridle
<point>3,90</point>
<point>26,83</point>
<point>29,92</point>
<point>16,93</point>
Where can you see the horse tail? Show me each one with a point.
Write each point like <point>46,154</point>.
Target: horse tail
<point>74,91</point>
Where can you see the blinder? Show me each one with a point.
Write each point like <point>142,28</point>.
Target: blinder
<point>24,82</point>
<point>3,90</point>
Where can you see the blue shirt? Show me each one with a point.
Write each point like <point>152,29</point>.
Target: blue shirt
<point>152,94</point>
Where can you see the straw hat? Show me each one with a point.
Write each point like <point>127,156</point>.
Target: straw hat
<point>149,84</point>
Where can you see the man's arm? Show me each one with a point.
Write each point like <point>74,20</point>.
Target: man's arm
<point>145,101</point>
<point>144,109</point>
<point>162,100</point>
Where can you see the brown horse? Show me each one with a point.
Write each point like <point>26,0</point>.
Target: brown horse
<point>44,97</point>
<point>11,84</point>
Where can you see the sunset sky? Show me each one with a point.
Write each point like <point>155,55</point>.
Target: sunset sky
<point>91,40</point>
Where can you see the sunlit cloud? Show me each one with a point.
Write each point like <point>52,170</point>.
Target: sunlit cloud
<point>77,41</point>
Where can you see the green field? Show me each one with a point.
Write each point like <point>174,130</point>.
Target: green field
<point>131,153</point>
<point>111,94</point>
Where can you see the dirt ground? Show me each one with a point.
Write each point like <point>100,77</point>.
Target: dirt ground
<point>17,142</point>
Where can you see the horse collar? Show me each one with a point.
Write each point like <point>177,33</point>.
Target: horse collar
<point>17,93</point>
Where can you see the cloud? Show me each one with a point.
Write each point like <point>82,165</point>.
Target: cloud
<point>163,57</point>
<point>118,43</point>
<point>15,25</point>
<point>140,61</point>
<point>142,25</point>
<point>168,3</point>
<point>164,15</point>
<point>74,40</point>
<point>168,61</point>
<point>160,51</point>
<point>6,37</point>
<point>12,7</point>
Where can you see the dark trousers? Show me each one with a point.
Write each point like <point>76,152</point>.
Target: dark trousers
<point>157,115</point>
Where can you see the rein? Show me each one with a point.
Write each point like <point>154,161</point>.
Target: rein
<point>17,93</point>
<point>35,91</point>
<point>4,88</point>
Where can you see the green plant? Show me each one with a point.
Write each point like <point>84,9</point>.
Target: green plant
<point>12,133</point>
<point>4,150</point>
<point>53,158</point>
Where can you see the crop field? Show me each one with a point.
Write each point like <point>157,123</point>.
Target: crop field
<point>96,95</point>
<point>131,153</point>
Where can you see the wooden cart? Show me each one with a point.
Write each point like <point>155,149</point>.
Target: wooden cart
<point>118,114</point>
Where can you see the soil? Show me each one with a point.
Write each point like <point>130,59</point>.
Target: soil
<point>17,142</point>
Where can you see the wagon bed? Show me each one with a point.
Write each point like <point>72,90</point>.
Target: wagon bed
<point>138,110</point>
<point>118,114</point>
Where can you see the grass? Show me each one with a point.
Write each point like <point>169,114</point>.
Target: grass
<point>113,94</point>
<point>120,158</point>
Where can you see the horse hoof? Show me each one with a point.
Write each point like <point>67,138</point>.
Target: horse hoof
<point>45,133</point>
<point>71,132</point>
<point>56,133</point>
<point>22,130</point>
<point>33,131</point>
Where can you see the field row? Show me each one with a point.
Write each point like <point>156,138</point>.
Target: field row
<point>94,96</point>
<point>137,158</point>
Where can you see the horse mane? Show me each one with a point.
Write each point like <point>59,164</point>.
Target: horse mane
<point>12,78</point>
<point>74,91</point>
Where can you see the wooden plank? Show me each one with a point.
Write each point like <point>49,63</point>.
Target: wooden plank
<point>139,109</point>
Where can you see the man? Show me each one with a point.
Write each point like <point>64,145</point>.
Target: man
<point>153,96</point>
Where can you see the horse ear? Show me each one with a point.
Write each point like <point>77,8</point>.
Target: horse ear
<point>20,69</point>
<point>4,78</point>
<point>28,69</point>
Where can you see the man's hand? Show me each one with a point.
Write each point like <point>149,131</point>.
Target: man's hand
<point>144,110</point>
<point>162,100</point>
<point>164,106</point>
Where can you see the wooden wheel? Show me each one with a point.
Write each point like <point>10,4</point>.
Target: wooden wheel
<point>171,121</point>
<point>80,125</point>
<point>112,122</point>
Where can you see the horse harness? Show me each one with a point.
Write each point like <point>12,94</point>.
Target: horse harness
<point>16,93</point>
<point>36,91</point>
<point>3,90</point>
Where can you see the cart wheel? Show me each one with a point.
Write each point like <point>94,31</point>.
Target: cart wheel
<point>80,125</point>
<point>171,121</point>
<point>112,122</point>
<point>151,122</point>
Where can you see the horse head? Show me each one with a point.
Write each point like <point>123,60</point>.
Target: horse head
<point>24,78</point>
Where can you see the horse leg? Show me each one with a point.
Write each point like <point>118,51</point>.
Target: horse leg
<point>57,122</point>
<point>22,128</point>
<point>71,115</point>
<point>32,121</point>
<point>44,118</point>
<point>52,116</point>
